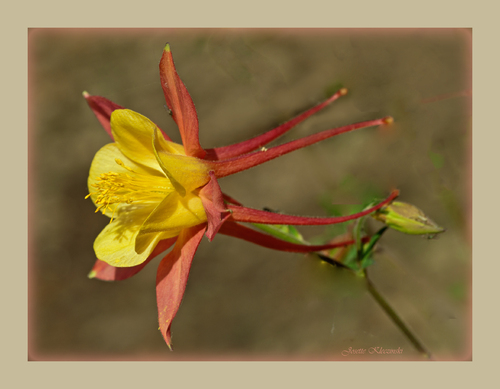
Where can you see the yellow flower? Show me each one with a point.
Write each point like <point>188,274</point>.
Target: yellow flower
<point>159,193</point>
<point>147,185</point>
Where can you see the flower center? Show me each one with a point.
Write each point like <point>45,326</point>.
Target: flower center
<point>123,188</point>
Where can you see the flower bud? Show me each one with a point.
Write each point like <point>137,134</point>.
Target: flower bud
<point>406,218</point>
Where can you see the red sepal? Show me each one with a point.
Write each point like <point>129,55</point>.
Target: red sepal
<point>180,103</point>
<point>172,277</point>
<point>102,108</point>
<point>215,208</point>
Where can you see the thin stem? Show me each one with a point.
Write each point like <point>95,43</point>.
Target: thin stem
<point>395,317</point>
<point>378,297</point>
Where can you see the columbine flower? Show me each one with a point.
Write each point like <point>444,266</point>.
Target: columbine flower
<point>158,193</point>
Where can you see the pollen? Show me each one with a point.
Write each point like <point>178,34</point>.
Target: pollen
<point>113,189</point>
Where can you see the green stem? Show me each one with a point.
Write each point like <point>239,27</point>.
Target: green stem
<point>395,317</point>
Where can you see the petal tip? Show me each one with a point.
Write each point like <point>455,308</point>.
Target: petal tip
<point>92,274</point>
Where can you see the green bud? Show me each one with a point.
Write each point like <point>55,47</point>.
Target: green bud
<point>406,218</point>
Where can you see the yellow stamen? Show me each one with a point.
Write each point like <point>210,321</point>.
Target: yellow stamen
<point>119,162</point>
<point>124,188</point>
<point>112,216</point>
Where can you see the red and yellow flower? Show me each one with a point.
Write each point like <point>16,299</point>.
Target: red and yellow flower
<point>158,193</point>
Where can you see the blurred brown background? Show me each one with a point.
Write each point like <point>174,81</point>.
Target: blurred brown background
<point>244,301</point>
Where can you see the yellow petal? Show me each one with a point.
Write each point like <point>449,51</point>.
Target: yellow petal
<point>172,215</point>
<point>187,172</point>
<point>133,134</point>
<point>105,161</point>
<point>116,242</point>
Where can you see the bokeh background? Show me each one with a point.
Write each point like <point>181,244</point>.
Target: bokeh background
<point>243,301</point>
